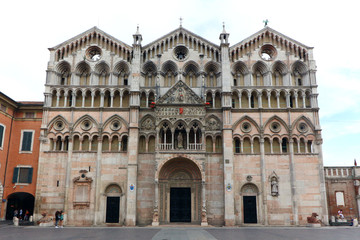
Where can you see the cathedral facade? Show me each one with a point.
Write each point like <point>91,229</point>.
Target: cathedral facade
<point>181,130</point>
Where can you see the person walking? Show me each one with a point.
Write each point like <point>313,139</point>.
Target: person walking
<point>57,219</point>
<point>61,219</point>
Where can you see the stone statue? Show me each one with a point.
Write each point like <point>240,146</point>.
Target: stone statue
<point>314,218</point>
<point>180,140</point>
<point>274,187</point>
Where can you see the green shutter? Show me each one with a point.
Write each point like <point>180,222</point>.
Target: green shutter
<point>1,135</point>
<point>26,141</point>
<point>15,176</point>
<point>30,175</point>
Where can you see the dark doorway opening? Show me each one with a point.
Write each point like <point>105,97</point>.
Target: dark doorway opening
<point>19,201</point>
<point>180,205</point>
<point>250,215</point>
<point>112,209</point>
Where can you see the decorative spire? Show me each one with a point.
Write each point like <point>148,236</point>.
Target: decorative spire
<point>224,31</point>
<point>137,29</point>
<point>181,19</point>
<point>265,22</point>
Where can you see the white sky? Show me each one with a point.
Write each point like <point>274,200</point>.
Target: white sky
<point>331,27</point>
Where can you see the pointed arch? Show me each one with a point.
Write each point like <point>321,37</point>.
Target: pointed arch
<point>305,119</point>
<point>299,67</point>
<point>86,117</point>
<point>277,118</point>
<point>240,67</point>
<point>212,67</point>
<point>149,67</point>
<point>191,66</point>
<point>248,118</point>
<point>169,66</point>
<point>279,66</point>
<point>121,67</point>
<point>116,117</point>
<point>63,67</point>
<point>102,67</point>
<point>82,68</point>
<point>56,119</point>
<point>260,67</point>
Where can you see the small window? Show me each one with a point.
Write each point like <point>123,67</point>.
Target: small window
<point>2,133</point>
<point>252,103</point>
<point>26,141</point>
<point>29,115</point>
<point>3,107</point>
<point>233,103</point>
<point>125,81</point>
<point>62,81</point>
<point>22,175</point>
<point>235,82</point>
<point>299,82</point>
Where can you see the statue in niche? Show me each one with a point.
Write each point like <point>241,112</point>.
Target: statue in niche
<point>180,140</point>
<point>274,187</point>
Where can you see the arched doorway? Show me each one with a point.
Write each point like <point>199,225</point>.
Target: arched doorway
<point>113,195</point>
<point>249,194</point>
<point>18,201</point>
<point>180,191</point>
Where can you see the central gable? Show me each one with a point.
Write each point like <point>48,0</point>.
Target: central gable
<point>180,94</point>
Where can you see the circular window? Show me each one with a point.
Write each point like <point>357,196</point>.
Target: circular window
<point>267,52</point>
<point>115,125</point>
<point>302,127</point>
<point>181,53</point>
<point>59,125</point>
<point>93,53</point>
<point>83,175</point>
<point>86,125</point>
<point>246,127</point>
<point>275,127</point>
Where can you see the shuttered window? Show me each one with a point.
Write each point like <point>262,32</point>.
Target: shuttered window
<point>1,135</point>
<point>22,175</point>
<point>27,141</point>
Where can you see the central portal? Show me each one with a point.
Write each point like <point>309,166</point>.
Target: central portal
<point>179,192</point>
<point>180,205</point>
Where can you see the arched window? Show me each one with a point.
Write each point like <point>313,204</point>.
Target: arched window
<point>285,145</point>
<point>105,144</point>
<point>209,144</point>
<point>76,143</point>
<point>267,146</point>
<point>237,145</point>
<point>256,145</point>
<point>58,143</point>
<point>124,143</point>
<point>142,144</point>
<point>247,145</point>
<point>276,145</point>
<point>115,144</point>
<point>151,147</point>
<point>94,143</point>
<point>85,144</point>
<point>218,144</point>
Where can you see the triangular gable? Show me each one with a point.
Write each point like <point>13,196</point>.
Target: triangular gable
<point>86,34</point>
<point>180,94</point>
<point>177,31</point>
<point>266,29</point>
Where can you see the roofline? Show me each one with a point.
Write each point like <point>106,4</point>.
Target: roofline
<point>21,104</point>
<point>96,29</point>
<point>177,29</point>
<point>267,28</point>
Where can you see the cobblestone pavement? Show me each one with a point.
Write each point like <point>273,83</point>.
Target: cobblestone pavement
<point>180,233</point>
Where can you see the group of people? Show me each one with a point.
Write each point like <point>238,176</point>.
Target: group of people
<point>59,219</point>
<point>22,215</point>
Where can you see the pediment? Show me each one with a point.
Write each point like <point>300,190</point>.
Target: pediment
<point>92,32</point>
<point>267,31</point>
<point>177,32</point>
<point>180,94</point>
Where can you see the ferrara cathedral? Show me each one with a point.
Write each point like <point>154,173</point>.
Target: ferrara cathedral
<point>181,130</point>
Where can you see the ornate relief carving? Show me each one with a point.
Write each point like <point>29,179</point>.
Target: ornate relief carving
<point>148,125</point>
<point>212,125</point>
<point>180,94</point>
<point>179,111</point>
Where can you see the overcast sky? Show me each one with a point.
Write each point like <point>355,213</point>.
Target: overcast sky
<point>29,28</point>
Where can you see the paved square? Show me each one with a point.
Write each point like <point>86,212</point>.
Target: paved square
<point>180,233</point>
